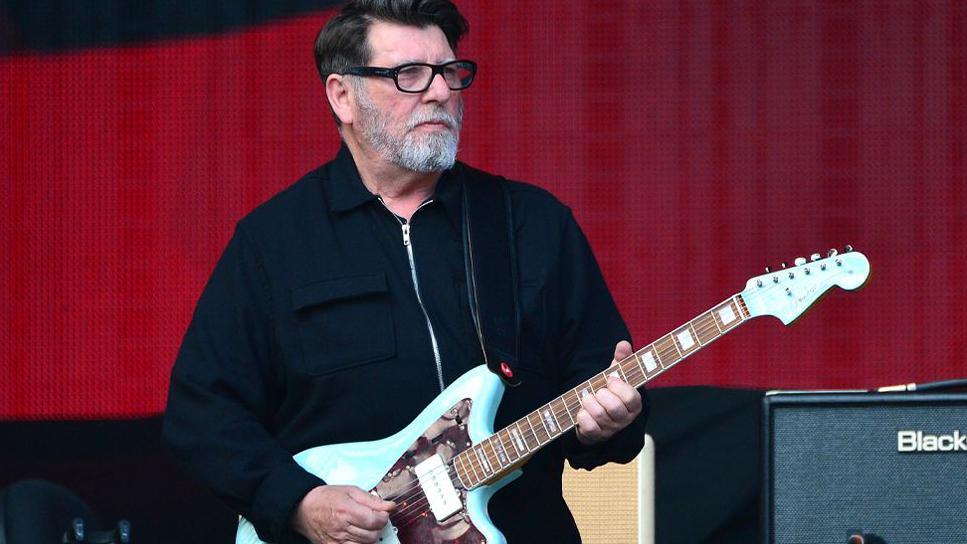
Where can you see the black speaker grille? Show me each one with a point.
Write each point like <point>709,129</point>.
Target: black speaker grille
<point>834,469</point>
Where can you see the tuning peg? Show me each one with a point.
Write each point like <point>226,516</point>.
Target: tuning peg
<point>800,261</point>
<point>832,252</point>
<point>782,264</point>
<point>815,257</point>
<point>848,248</point>
<point>768,269</point>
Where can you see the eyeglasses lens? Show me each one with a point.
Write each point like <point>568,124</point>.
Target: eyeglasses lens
<point>417,77</point>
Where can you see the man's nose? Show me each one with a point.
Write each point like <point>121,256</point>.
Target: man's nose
<point>438,90</point>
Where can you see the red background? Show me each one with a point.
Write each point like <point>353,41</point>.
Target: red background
<point>696,142</point>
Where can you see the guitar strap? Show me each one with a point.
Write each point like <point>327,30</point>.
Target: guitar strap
<point>490,262</point>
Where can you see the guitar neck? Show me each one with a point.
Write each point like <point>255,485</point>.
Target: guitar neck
<point>505,450</point>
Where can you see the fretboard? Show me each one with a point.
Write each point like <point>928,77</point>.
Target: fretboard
<point>506,449</point>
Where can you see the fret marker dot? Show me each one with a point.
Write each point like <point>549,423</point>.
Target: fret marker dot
<point>685,339</point>
<point>649,361</point>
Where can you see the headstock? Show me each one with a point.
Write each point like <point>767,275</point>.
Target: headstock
<point>787,292</point>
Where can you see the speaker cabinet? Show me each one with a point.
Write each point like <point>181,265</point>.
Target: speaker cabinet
<point>891,468</point>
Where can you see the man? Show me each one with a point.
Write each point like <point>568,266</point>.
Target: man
<point>339,308</point>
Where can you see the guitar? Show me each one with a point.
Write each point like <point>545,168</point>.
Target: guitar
<point>443,468</point>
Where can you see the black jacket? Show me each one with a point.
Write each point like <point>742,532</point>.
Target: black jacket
<point>309,332</point>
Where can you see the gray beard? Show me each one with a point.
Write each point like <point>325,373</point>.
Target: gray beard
<point>432,152</point>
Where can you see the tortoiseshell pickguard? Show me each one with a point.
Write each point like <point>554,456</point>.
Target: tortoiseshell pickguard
<point>415,523</point>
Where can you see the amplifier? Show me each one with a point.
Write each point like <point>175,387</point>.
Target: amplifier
<point>886,468</point>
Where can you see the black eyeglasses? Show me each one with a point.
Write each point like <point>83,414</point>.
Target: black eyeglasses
<point>416,77</point>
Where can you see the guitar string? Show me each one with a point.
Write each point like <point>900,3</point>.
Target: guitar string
<point>702,325</point>
<point>707,326</point>
<point>408,493</point>
<point>413,495</point>
<point>562,405</point>
<point>419,504</point>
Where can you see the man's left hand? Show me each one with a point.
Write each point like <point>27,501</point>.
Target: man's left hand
<point>609,410</point>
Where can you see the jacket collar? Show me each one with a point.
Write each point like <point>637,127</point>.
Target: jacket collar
<point>343,186</point>
<point>345,190</point>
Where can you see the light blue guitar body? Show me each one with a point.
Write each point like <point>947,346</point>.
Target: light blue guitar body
<point>364,464</point>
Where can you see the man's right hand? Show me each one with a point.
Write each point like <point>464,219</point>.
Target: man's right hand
<point>341,513</point>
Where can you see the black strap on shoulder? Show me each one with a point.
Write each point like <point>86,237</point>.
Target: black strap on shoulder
<point>490,259</point>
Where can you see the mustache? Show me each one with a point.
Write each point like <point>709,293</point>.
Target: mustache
<point>434,116</point>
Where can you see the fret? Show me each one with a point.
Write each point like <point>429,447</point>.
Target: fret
<point>634,373</point>
<point>706,328</point>
<point>469,460</point>
<point>727,315</point>
<point>530,439</point>
<point>459,468</point>
<point>492,462</point>
<point>467,482</point>
<point>531,436</point>
<point>568,404</point>
<point>649,361</point>
<point>484,463</point>
<point>547,432</point>
<point>576,398</point>
<point>509,446</point>
<point>666,351</point>
<point>498,448</point>
<point>556,407</point>
<point>495,461</point>
<point>695,335</point>
<point>716,319</point>
<point>519,442</point>
<point>540,429</point>
<point>685,340</point>
<point>551,423</point>
<point>621,373</point>
<point>598,382</point>
<point>478,470</point>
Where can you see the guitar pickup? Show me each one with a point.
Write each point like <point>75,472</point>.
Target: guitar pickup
<point>435,480</point>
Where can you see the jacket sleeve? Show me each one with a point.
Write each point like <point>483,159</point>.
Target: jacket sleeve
<point>590,327</point>
<point>221,400</point>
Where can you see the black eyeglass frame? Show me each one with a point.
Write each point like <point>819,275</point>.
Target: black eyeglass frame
<point>393,73</point>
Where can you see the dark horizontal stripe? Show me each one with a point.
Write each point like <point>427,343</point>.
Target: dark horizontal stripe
<point>77,438</point>
<point>121,470</point>
<point>63,25</point>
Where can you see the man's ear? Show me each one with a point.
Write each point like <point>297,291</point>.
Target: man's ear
<point>339,93</point>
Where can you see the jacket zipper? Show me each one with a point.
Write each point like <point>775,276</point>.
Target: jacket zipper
<point>407,243</point>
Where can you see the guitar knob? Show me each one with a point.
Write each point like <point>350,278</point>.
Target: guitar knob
<point>800,261</point>
<point>832,252</point>
<point>815,257</point>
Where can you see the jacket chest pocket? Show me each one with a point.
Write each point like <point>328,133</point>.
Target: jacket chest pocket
<point>344,322</point>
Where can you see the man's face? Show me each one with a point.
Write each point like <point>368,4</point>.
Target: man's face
<point>415,131</point>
